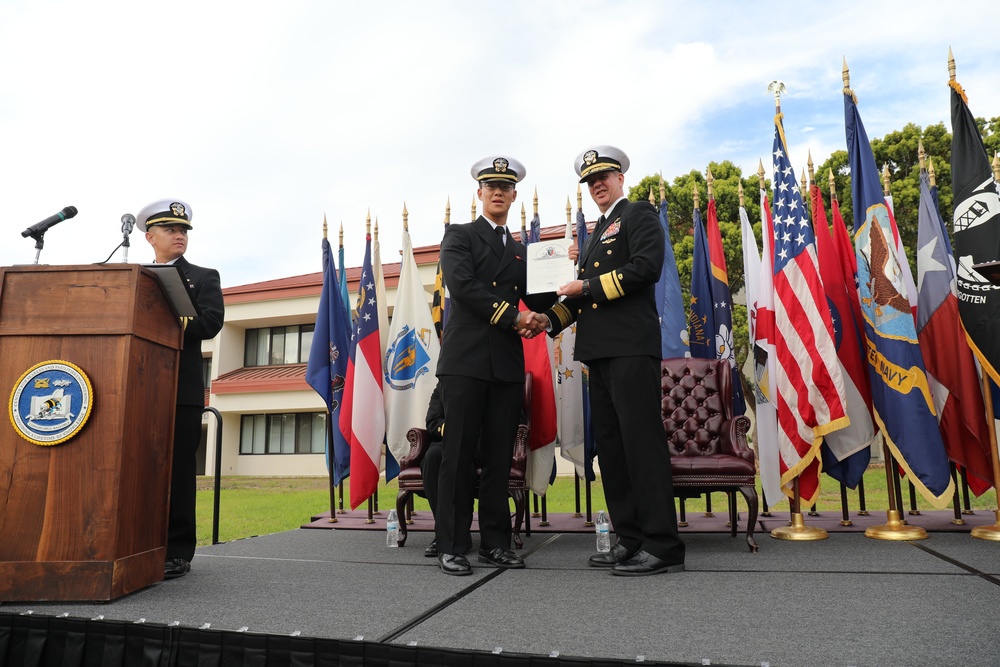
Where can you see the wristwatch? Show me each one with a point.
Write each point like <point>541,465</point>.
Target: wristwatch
<point>586,287</point>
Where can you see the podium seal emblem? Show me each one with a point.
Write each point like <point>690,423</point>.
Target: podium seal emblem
<point>51,402</point>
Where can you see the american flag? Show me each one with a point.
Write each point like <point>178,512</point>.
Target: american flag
<point>811,396</point>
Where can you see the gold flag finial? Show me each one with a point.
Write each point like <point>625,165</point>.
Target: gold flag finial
<point>885,179</point>
<point>739,191</point>
<point>406,218</point>
<point>569,211</point>
<point>375,235</point>
<point>951,65</point>
<point>663,188</point>
<point>697,202</point>
<point>534,203</point>
<point>760,173</point>
<point>368,223</point>
<point>833,187</point>
<point>920,154</point>
<point>930,172</point>
<point>777,89</point>
<point>804,192</point>
<point>809,163</point>
<point>846,76</point>
<point>709,179</point>
<point>652,197</point>
<point>524,220</point>
<point>324,226</point>
<point>341,233</point>
<point>447,211</point>
<point>473,218</point>
<point>579,198</point>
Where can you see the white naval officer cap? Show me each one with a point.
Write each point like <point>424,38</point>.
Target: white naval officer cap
<point>164,212</point>
<point>498,168</point>
<point>600,158</point>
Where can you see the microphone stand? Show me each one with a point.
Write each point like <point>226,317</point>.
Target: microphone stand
<point>39,244</point>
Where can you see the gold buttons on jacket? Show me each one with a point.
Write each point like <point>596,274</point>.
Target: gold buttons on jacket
<point>609,252</point>
<point>495,304</point>
<point>579,311</point>
<point>594,306</point>
<point>494,283</point>
<point>596,264</point>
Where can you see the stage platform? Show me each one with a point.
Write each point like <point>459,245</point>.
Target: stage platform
<point>846,600</point>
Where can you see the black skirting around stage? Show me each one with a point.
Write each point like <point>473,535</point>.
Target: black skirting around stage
<point>341,597</point>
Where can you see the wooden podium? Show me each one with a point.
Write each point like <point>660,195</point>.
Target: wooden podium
<point>86,519</point>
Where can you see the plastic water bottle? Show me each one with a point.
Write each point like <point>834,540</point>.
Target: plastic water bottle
<point>392,529</point>
<point>603,532</point>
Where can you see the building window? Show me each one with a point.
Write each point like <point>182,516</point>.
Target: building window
<point>275,346</point>
<point>290,433</point>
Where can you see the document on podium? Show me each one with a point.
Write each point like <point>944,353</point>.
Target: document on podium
<point>176,287</point>
<point>549,265</point>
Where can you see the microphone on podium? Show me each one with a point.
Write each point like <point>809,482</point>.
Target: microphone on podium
<point>40,228</point>
<point>128,222</point>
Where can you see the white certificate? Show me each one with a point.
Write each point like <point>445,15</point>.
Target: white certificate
<point>549,265</point>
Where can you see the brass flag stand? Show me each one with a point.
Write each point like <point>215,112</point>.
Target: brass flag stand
<point>798,530</point>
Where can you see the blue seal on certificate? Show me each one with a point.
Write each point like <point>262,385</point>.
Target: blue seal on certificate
<point>51,402</point>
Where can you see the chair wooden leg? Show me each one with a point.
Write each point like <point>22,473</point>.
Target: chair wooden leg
<point>733,517</point>
<point>520,510</point>
<point>750,493</point>
<point>402,513</point>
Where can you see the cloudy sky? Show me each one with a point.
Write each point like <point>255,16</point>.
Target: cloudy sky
<point>266,116</point>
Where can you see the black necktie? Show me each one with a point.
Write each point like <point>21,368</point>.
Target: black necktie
<point>501,234</point>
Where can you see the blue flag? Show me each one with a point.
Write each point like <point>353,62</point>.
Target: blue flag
<point>327,368</point>
<point>535,233</point>
<point>901,394</point>
<point>669,306</point>
<point>701,320</point>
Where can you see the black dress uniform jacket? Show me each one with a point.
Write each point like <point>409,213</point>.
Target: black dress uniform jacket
<point>622,258</point>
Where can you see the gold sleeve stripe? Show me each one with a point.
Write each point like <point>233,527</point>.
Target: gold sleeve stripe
<point>612,288</point>
<point>498,313</point>
<point>562,312</point>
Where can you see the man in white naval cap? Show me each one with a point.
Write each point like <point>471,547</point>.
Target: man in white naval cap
<point>481,370</point>
<point>618,337</point>
<point>166,223</point>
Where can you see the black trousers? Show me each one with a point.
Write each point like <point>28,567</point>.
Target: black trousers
<point>483,413</point>
<point>633,455</point>
<point>182,529</point>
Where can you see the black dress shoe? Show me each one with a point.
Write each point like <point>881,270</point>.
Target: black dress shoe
<point>644,563</point>
<point>618,554</point>
<point>175,567</point>
<point>501,557</point>
<point>432,550</point>
<point>456,564</point>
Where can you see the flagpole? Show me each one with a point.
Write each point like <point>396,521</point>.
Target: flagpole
<point>524,225</point>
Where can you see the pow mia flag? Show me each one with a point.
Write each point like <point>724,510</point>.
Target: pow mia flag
<point>977,233</point>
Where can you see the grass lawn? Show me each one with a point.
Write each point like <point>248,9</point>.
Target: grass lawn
<point>261,505</point>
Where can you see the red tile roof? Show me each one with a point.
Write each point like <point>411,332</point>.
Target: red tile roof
<point>289,377</point>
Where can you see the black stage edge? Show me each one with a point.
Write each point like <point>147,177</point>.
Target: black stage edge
<point>341,597</point>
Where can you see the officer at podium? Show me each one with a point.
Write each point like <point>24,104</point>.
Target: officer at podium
<point>167,223</point>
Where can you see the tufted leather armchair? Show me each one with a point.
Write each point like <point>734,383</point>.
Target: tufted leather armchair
<point>708,446</point>
<point>411,480</point>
